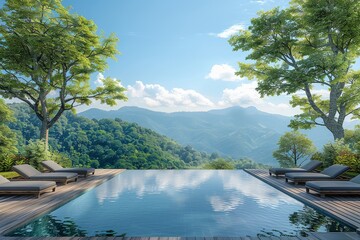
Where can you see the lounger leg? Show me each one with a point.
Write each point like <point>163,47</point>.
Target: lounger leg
<point>270,173</point>
<point>286,180</point>
<point>307,190</point>
<point>54,189</point>
<point>38,195</point>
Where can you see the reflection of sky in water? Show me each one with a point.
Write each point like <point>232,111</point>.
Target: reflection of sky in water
<point>182,203</point>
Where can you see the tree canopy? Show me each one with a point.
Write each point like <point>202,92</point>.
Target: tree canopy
<point>294,149</point>
<point>7,137</point>
<point>47,56</point>
<point>308,50</point>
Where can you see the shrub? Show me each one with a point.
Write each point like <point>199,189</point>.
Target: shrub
<point>219,164</point>
<point>8,161</point>
<point>35,152</point>
<point>332,150</point>
<point>349,159</point>
<point>60,158</point>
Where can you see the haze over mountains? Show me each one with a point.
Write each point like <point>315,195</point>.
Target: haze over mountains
<point>236,132</point>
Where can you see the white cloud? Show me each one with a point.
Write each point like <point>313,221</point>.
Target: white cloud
<point>324,93</point>
<point>99,80</point>
<point>155,95</point>
<point>261,2</point>
<point>231,31</point>
<point>246,95</point>
<point>223,72</point>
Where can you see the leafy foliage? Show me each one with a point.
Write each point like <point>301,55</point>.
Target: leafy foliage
<point>35,152</point>
<point>219,164</point>
<point>331,151</point>
<point>7,139</point>
<point>45,49</point>
<point>294,149</point>
<point>309,46</point>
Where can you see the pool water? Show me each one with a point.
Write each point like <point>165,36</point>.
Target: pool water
<point>181,203</point>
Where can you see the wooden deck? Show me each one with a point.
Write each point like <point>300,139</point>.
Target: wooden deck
<point>345,209</point>
<point>16,210</point>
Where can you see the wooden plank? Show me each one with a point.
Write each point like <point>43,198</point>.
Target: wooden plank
<point>18,210</point>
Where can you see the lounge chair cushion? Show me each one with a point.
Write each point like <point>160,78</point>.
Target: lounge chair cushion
<point>333,186</point>
<point>24,186</point>
<point>356,179</point>
<point>80,171</point>
<point>54,167</point>
<point>335,170</point>
<point>3,180</point>
<point>310,166</point>
<point>51,165</point>
<point>282,171</point>
<point>26,171</point>
<point>54,176</point>
<point>306,175</point>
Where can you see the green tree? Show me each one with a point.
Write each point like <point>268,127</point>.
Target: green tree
<point>310,46</point>
<point>7,138</point>
<point>294,149</point>
<point>47,56</point>
<point>219,164</point>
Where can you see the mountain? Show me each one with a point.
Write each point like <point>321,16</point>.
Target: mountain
<point>235,132</point>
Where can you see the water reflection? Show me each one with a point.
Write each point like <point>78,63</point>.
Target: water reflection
<point>251,187</point>
<point>173,182</point>
<point>152,182</point>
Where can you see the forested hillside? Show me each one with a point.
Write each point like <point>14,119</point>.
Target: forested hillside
<point>234,132</point>
<point>110,143</point>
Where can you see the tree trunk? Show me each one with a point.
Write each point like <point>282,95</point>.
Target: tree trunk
<point>336,129</point>
<point>44,133</point>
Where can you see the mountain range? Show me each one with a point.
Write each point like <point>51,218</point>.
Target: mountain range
<point>236,132</point>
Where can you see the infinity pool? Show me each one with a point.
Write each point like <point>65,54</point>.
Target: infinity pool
<point>181,203</point>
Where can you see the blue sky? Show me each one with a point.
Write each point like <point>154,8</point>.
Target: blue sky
<point>175,54</point>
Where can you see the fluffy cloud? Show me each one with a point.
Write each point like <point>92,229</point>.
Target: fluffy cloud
<point>231,31</point>
<point>99,80</point>
<point>246,95</point>
<point>261,2</point>
<point>155,95</point>
<point>223,72</point>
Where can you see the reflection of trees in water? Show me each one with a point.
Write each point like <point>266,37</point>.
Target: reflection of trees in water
<point>49,226</point>
<point>308,220</point>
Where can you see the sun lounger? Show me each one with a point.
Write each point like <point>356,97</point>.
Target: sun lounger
<point>30,173</point>
<point>25,187</point>
<point>310,166</point>
<point>329,173</point>
<point>351,187</point>
<point>54,167</point>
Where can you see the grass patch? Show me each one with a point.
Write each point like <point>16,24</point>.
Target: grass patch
<point>9,175</point>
